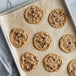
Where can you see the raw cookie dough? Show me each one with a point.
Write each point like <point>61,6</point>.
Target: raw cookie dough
<point>72,68</point>
<point>68,43</point>
<point>18,37</point>
<point>52,62</point>
<point>57,18</point>
<point>28,61</point>
<point>41,41</point>
<point>33,14</point>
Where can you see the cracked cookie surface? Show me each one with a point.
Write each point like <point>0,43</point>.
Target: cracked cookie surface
<point>28,61</point>
<point>68,43</point>
<point>57,18</point>
<point>18,37</point>
<point>52,62</point>
<point>33,14</point>
<point>41,41</point>
<point>71,68</point>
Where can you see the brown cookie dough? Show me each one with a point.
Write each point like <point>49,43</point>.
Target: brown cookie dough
<point>18,37</point>
<point>33,14</point>
<point>52,62</point>
<point>41,41</point>
<point>68,43</point>
<point>71,68</point>
<point>28,61</point>
<point>57,18</point>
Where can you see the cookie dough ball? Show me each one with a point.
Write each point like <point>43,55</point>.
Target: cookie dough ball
<point>68,43</point>
<point>52,62</point>
<point>33,14</point>
<point>41,41</point>
<point>57,18</point>
<point>18,37</point>
<point>28,61</point>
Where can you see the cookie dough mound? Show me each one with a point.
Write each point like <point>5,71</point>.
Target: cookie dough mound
<point>41,41</point>
<point>52,62</point>
<point>71,68</point>
<point>33,14</point>
<point>57,18</point>
<point>18,37</point>
<point>68,43</point>
<point>28,61</point>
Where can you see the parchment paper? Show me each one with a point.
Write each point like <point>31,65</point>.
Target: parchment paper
<point>16,19</point>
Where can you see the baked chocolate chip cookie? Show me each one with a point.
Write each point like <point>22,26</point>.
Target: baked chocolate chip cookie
<point>57,18</point>
<point>71,68</point>
<point>41,41</point>
<point>68,43</point>
<point>52,62</point>
<point>28,61</point>
<point>18,37</point>
<point>33,14</point>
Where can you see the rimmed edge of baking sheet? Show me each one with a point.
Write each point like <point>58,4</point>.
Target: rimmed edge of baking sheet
<point>17,7</point>
<point>5,35</point>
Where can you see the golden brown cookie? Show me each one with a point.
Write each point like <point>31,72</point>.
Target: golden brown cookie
<point>41,41</point>
<point>28,61</point>
<point>18,37</point>
<point>33,14</point>
<point>68,43</point>
<point>52,62</point>
<point>71,68</point>
<point>57,18</point>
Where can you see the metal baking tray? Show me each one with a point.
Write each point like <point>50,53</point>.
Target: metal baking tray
<point>56,34</point>
<point>71,5</point>
<point>11,8</point>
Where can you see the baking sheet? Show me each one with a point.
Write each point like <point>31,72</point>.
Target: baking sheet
<point>71,5</point>
<point>16,19</point>
<point>14,5</point>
